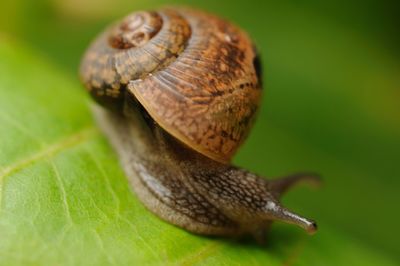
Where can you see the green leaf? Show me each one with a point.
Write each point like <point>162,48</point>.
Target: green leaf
<point>65,200</point>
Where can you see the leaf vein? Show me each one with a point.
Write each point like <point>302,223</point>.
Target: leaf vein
<point>62,192</point>
<point>201,254</point>
<point>16,124</point>
<point>101,245</point>
<point>106,180</point>
<point>48,152</point>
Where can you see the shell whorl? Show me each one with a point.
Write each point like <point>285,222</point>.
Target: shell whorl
<point>195,74</point>
<point>135,30</point>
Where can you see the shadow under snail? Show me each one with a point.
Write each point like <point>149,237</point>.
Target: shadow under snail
<point>178,92</point>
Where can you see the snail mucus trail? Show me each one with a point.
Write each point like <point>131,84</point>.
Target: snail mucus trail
<point>178,91</point>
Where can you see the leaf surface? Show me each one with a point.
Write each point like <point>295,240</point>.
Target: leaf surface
<point>65,200</point>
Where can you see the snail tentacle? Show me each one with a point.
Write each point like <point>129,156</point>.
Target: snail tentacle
<point>187,188</point>
<point>281,185</point>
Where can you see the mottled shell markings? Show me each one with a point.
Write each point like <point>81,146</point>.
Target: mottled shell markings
<point>115,59</point>
<point>192,72</point>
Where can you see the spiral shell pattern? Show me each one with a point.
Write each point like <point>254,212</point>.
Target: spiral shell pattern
<point>196,75</point>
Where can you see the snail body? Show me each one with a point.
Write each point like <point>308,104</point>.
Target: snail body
<point>181,89</point>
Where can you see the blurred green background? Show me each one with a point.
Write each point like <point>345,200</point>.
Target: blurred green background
<point>331,102</point>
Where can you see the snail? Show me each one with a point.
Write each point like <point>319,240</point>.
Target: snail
<point>178,90</point>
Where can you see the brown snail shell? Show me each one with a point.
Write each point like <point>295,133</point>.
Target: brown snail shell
<point>194,74</point>
<point>184,87</point>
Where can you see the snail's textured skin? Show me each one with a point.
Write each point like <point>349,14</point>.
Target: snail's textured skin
<point>183,87</point>
<point>190,190</point>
